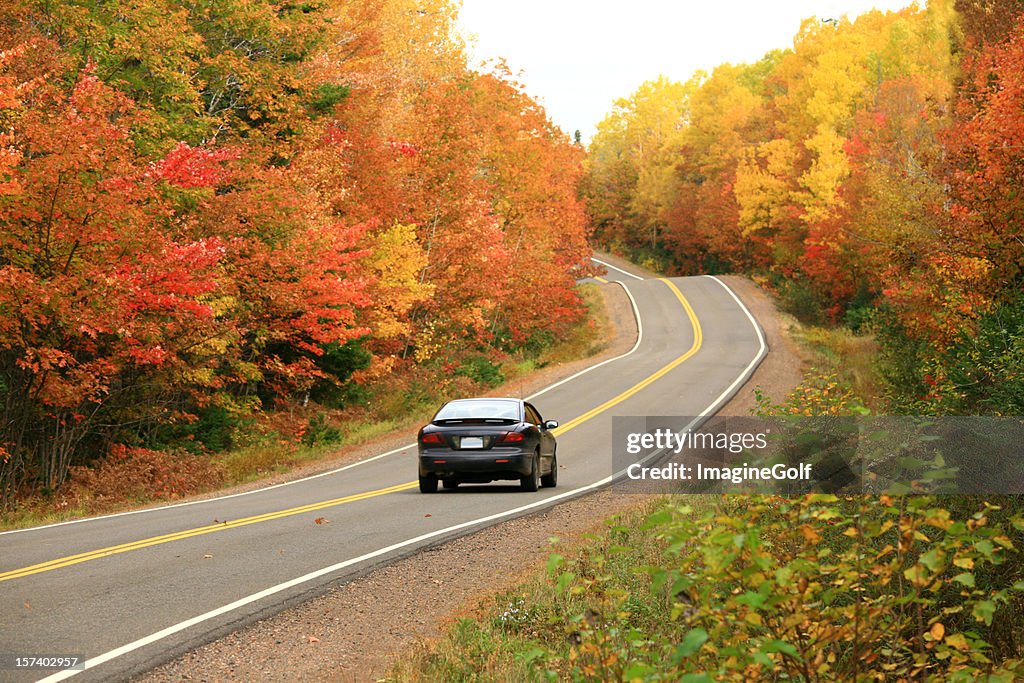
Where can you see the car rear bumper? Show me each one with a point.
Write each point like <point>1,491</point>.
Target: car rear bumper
<point>480,466</point>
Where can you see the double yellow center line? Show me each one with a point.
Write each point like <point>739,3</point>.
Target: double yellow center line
<point>313,507</point>
<point>199,531</point>
<point>698,340</point>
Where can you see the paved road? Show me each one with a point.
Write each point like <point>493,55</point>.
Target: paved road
<point>128,592</point>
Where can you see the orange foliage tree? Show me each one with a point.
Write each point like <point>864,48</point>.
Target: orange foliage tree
<point>234,203</point>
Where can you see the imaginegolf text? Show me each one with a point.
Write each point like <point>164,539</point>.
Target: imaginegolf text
<point>737,475</point>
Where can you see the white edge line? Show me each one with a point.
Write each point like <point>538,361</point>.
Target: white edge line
<point>762,351</point>
<point>608,265</point>
<point>747,373</point>
<point>249,599</point>
<point>639,338</point>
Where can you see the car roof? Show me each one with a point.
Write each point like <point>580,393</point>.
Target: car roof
<point>486,398</point>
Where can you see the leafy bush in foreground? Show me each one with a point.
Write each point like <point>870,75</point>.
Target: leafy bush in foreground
<point>814,589</point>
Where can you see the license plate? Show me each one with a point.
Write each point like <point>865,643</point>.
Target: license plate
<point>472,442</point>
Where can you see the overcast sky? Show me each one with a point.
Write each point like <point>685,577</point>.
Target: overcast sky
<point>578,56</point>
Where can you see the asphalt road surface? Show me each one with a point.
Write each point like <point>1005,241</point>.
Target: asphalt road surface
<point>125,593</point>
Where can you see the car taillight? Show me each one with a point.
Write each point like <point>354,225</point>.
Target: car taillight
<point>432,439</point>
<point>511,437</point>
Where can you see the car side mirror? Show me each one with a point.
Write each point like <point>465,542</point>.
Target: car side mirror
<point>551,424</point>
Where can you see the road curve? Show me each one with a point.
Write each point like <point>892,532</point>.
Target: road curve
<point>129,592</point>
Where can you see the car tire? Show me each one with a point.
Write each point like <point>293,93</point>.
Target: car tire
<point>550,480</point>
<point>428,484</point>
<point>450,484</point>
<point>531,482</point>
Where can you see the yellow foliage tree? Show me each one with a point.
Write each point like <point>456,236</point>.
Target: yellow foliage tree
<point>395,260</point>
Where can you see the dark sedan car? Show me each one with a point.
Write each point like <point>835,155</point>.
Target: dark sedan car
<point>478,440</point>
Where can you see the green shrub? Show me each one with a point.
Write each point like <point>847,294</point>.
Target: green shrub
<point>319,432</point>
<point>814,589</point>
<point>482,370</point>
<point>800,299</point>
<point>338,362</point>
<point>980,373</point>
<point>327,96</point>
<point>213,428</point>
<point>984,370</point>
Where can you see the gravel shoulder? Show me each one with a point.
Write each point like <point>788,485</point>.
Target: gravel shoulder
<point>354,631</point>
<point>628,266</point>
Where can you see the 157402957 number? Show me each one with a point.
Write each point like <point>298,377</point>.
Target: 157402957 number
<point>10,661</point>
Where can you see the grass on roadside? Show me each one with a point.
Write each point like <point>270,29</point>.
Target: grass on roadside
<point>255,462</point>
<point>840,375</point>
<point>850,357</point>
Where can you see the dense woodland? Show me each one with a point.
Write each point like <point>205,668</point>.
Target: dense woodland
<point>217,208</point>
<point>872,175</point>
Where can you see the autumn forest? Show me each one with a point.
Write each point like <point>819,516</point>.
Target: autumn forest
<point>871,176</point>
<point>219,207</point>
<point>215,211</point>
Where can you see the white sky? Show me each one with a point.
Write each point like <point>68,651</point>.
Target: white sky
<point>578,56</point>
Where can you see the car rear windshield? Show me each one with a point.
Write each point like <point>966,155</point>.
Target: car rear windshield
<point>479,410</point>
